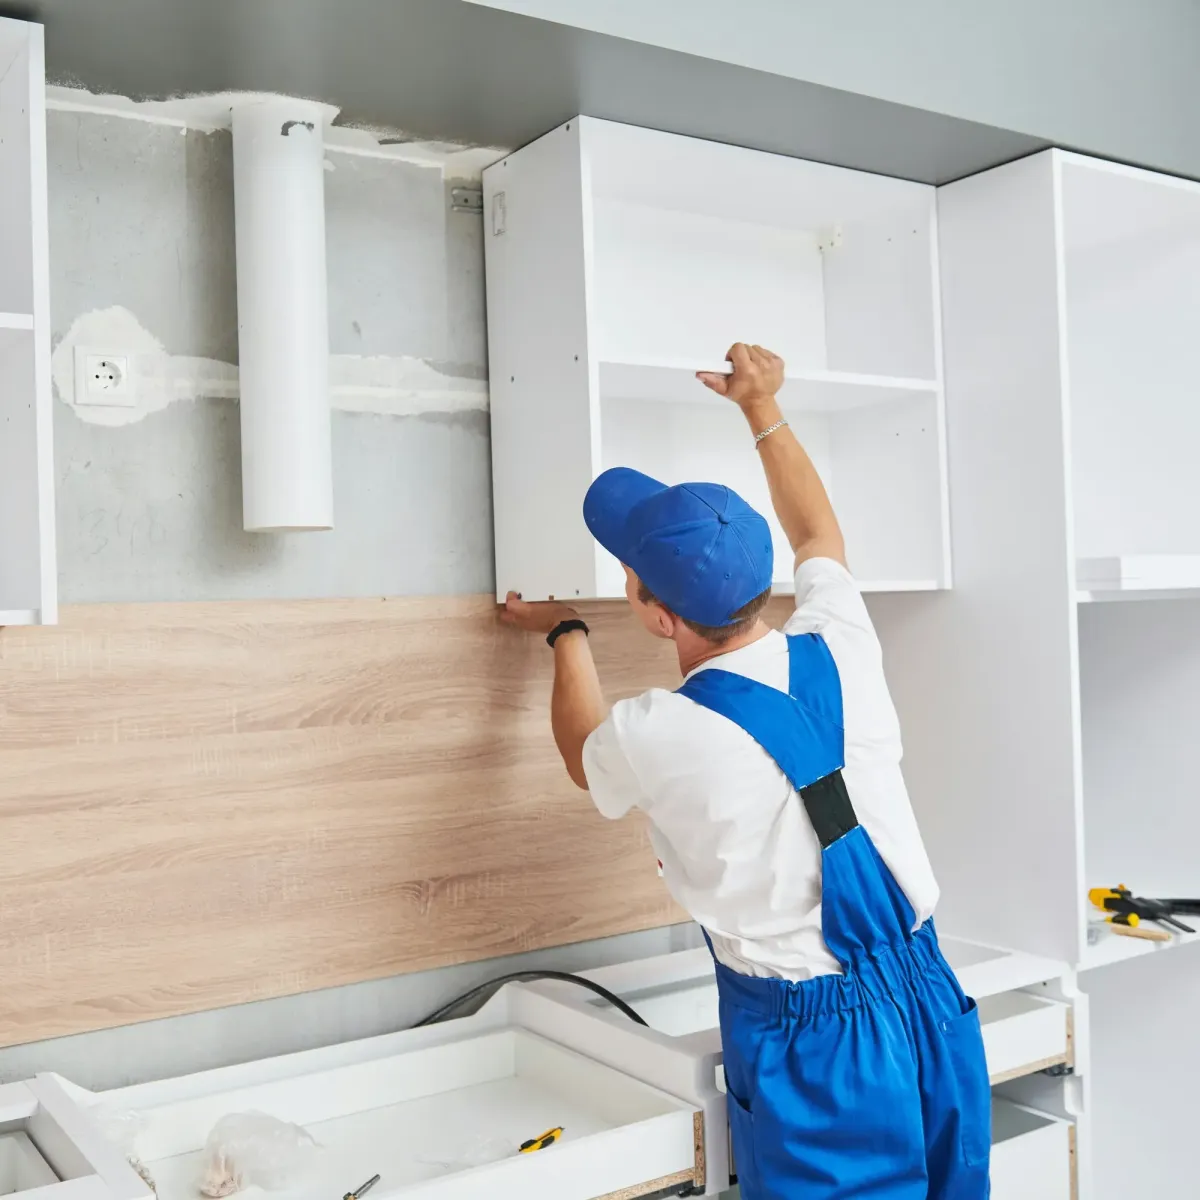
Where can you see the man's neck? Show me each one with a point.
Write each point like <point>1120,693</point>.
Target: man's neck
<point>703,652</point>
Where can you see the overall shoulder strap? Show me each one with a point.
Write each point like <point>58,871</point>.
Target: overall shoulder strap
<point>813,677</point>
<point>802,732</point>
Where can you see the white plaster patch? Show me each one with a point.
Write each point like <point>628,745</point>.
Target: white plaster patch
<point>400,387</point>
<point>389,386</point>
<point>211,112</point>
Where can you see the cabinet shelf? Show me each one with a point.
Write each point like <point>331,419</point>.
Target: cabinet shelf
<point>812,391</point>
<point>16,320</point>
<point>787,587</point>
<point>20,616</point>
<point>1138,577</point>
<point>1112,947</point>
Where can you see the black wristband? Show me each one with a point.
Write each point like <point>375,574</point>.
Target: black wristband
<point>565,627</point>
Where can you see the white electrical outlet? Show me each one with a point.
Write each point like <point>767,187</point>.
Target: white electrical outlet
<point>103,378</point>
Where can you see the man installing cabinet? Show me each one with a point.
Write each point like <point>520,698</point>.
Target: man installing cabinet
<point>771,781</point>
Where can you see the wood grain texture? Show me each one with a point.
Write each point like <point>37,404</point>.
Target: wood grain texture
<point>653,1187</point>
<point>207,804</point>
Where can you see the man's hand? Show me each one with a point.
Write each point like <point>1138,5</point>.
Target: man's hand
<point>797,493</point>
<point>756,379</point>
<point>540,617</point>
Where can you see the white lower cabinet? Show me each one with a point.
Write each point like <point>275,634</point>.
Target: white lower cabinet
<point>441,1112</point>
<point>1027,1012</point>
<point>438,1113</point>
<point>1032,1154</point>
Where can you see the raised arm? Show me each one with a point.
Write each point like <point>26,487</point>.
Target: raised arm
<point>797,493</point>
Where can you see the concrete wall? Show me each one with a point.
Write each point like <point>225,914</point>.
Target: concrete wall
<point>142,262</point>
<point>1115,78</point>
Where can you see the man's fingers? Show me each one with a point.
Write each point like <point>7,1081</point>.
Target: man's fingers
<point>739,354</point>
<point>711,379</point>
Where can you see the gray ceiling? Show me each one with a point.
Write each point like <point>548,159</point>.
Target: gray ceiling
<point>444,69</point>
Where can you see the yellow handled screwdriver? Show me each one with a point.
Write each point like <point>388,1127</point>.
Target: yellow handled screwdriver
<point>1129,925</point>
<point>362,1189</point>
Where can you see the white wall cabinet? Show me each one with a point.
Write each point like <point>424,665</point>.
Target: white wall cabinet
<point>621,260</point>
<point>1050,701</point>
<point>28,584</point>
<point>1049,731</point>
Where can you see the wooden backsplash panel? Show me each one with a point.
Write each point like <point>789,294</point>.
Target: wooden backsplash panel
<point>205,804</point>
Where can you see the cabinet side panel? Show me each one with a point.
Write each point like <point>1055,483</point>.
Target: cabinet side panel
<point>39,221</point>
<point>888,462</point>
<point>1140,685</point>
<point>16,253</point>
<point>985,675</point>
<point>1135,358</point>
<point>19,552</point>
<point>537,233</point>
<point>879,294</point>
<point>1143,1018</point>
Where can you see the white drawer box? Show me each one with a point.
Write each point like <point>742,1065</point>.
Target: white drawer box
<point>1023,1033</point>
<point>439,1115</point>
<point>1031,1154</point>
<point>51,1150</point>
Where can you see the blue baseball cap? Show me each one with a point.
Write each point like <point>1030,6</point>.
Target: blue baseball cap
<point>699,547</point>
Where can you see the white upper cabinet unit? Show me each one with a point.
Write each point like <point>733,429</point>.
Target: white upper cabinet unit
<point>1050,739</point>
<point>621,260</point>
<point>27,561</point>
<point>1131,275</point>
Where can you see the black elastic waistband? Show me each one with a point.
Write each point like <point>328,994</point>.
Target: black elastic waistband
<point>874,977</point>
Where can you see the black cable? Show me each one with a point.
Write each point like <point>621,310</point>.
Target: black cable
<point>494,985</point>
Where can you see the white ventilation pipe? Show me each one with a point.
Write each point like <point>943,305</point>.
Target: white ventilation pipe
<point>283,324</point>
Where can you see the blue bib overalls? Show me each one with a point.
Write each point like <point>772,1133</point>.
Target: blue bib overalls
<point>868,1084</point>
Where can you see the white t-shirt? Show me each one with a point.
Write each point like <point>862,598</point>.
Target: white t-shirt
<point>737,848</point>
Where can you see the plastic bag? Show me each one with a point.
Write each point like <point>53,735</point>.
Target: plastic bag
<point>253,1149</point>
<point>120,1126</point>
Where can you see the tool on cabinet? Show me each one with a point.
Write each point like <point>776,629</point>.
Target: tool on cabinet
<point>540,1143</point>
<point>1129,925</point>
<point>362,1189</point>
<point>1122,901</point>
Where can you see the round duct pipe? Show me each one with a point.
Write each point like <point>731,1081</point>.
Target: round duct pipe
<point>283,324</point>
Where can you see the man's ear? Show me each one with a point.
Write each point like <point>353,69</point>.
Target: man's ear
<point>668,622</point>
